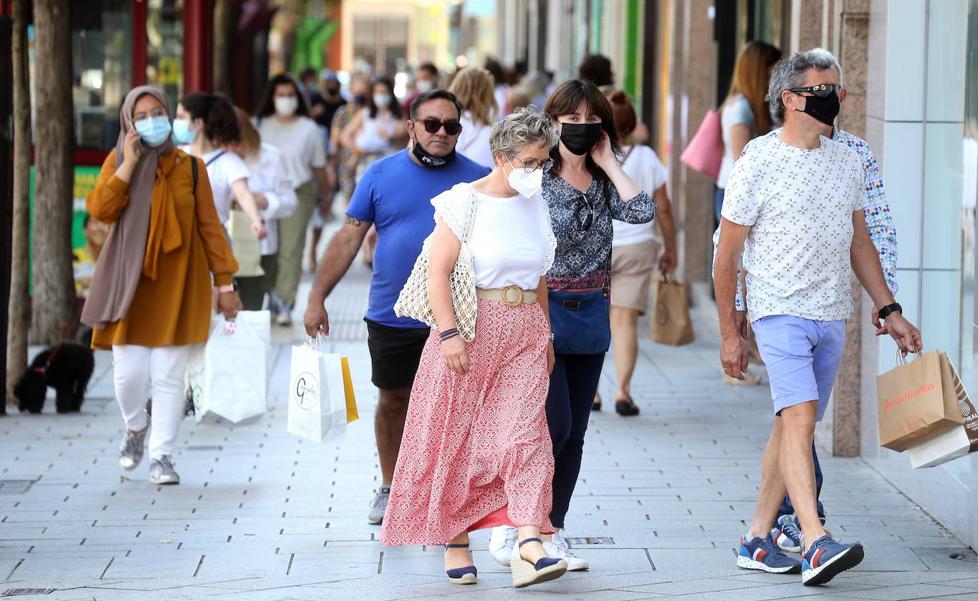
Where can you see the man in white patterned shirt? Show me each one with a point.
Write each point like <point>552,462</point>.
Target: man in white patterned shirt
<point>794,207</point>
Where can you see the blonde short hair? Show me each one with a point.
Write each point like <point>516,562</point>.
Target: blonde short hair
<point>475,90</point>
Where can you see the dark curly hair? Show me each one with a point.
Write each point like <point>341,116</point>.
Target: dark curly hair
<point>216,111</point>
<point>267,106</point>
<point>596,68</point>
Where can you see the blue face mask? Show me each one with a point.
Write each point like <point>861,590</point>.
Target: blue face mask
<point>182,133</point>
<point>153,130</point>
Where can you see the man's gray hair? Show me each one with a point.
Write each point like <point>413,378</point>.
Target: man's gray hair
<point>524,127</point>
<point>789,72</point>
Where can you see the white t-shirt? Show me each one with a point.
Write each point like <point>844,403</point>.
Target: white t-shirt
<point>301,145</point>
<point>512,242</point>
<point>645,169</point>
<point>799,205</point>
<point>473,142</point>
<point>370,139</point>
<point>268,177</point>
<point>222,171</point>
<point>735,111</point>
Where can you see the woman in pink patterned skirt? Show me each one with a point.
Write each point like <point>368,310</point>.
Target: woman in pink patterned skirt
<point>476,451</point>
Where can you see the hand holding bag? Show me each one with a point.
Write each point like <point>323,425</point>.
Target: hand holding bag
<point>916,402</point>
<point>414,299</point>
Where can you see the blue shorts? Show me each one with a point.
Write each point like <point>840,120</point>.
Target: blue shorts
<point>802,358</point>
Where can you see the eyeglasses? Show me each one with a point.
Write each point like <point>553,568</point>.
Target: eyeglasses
<point>531,165</point>
<point>822,90</point>
<point>584,220</point>
<point>432,125</point>
<point>157,112</point>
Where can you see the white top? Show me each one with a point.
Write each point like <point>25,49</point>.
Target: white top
<point>473,142</point>
<point>735,111</point>
<point>370,139</point>
<point>645,169</point>
<point>512,242</point>
<point>301,145</point>
<point>268,177</point>
<point>799,205</point>
<point>222,171</point>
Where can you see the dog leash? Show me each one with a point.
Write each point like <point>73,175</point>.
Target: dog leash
<point>54,355</point>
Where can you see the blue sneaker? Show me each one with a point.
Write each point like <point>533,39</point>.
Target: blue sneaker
<point>762,554</point>
<point>826,558</point>
<point>787,535</point>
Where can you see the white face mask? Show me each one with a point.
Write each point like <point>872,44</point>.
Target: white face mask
<point>527,184</point>
<point>423,85</point>
<point>286,105</point>
<point>382,100</point>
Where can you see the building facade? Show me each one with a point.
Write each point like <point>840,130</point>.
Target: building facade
<point>911,71</point>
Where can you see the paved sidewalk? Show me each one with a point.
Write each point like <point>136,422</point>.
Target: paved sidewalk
<point>261,515</point>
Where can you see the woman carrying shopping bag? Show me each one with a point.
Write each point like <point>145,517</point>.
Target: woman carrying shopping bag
<point>150,298</point>
<point>476,452</point>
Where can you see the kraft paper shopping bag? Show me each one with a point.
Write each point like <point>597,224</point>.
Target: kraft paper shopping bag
<point>915,403</point>
<point>671,322</point>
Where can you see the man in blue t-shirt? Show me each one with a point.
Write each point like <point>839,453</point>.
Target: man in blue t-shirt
<point>395,195</point>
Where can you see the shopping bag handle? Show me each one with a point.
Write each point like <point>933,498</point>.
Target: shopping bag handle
<point>902,359</point>
<point>317,343</point>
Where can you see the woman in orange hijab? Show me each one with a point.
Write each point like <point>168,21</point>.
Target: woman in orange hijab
<point>150,298</point>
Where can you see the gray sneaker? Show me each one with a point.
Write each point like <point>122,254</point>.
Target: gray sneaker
<point>161,471</point>
<point>379,505</point>
<point>131,450</point>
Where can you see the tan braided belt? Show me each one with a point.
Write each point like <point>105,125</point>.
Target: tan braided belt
<point>513,296</point>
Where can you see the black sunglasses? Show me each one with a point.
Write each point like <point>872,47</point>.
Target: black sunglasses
<point>822,90</point>
<point>432,125</point>
<point>584,220</point>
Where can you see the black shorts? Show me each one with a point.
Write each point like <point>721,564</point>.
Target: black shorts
<point>394,354</point>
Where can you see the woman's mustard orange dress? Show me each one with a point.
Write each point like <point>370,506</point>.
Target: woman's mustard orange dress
<point>175,308</point>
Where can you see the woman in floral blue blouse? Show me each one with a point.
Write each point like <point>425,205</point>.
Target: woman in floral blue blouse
<point>585,190</point>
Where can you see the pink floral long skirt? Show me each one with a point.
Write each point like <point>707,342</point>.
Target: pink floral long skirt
<point>476,451</point>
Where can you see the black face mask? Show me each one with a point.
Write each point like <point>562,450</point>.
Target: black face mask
<point>824,109</point>
<point>360,99</point>
<point>429,160</point>
<point>580,138</point>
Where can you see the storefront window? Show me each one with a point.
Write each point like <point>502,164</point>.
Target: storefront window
<point>164,60</point>
<point>101,44</point>
<point>969,199</point>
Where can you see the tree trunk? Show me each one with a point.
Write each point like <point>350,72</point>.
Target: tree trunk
<point>18,322</point>
<point>54,288</point>
<point>223,39</point>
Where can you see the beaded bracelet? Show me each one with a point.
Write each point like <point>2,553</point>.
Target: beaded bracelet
<point>448,334</point>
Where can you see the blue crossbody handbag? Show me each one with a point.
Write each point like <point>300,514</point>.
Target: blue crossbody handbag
<point>580,321</point>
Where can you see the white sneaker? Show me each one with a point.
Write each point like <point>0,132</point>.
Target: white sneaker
<point>501,544</point>
<point>558,548</point>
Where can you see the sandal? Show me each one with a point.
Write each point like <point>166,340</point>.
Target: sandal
<point>626,407</point>
<point>544,570</point>
<point>596,404</point>
<point>463,575</point>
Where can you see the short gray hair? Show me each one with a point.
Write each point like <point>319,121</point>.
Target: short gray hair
<point>789,73</point>
<point>524,127</point>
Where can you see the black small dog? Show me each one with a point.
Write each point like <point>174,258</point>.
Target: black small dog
<point>67,368</point>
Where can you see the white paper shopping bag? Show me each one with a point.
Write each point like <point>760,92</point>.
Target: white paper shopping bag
<point>320,393</point>
<point>235,373</point>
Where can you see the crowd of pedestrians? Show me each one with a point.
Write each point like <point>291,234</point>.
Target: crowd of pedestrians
<point>560,216</point>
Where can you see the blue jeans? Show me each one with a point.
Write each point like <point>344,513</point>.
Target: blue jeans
<point>573,384</point>
<point>717,206</point>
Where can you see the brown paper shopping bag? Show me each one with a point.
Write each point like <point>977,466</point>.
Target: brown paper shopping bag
<point>916,402</point>
<point>671,323</point>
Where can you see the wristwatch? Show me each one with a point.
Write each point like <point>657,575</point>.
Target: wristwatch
<point>889,310</point>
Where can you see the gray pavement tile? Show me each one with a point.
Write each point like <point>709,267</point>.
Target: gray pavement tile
<point>911,592</point>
